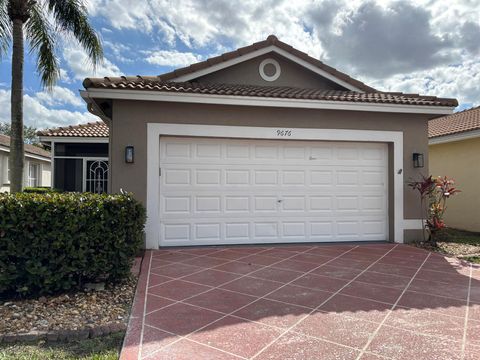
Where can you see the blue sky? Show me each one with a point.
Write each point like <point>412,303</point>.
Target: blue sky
<point>423,46</point>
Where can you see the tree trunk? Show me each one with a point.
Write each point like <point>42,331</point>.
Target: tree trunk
<point>16,158</point>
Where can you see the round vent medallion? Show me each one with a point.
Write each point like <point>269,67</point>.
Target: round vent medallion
<point>269,69</point>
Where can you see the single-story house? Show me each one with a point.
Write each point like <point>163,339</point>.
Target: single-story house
<point>454,151</point>
<point>265,144</point>
<point>79,156</point>
<point>36,165</point>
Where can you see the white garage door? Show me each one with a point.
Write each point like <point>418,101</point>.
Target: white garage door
<point>230,191</point>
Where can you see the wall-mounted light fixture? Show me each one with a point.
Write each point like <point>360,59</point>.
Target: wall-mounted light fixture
<point>418,161</point>
<point>129,154</point>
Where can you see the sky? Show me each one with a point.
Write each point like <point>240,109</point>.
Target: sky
<point>423,46</point>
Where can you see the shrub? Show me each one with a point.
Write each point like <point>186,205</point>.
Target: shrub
<point>433,193</point>
<point>56,242</point>
<point>40,190</point>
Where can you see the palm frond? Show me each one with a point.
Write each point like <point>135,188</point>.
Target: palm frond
<point>41,37</point>
<point>5,28</point>
<point>71,16</point>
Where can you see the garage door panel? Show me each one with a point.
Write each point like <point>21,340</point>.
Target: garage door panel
<point>252,191</point>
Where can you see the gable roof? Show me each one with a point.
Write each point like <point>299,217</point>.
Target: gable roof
<point>281,92</point>
<point>460,122</point>
<point>181,83</point>
<point>271,43</point>
<point>93,129</point>
<point>29,149</point>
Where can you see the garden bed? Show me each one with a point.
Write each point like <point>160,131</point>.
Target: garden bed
<point>459,243</point>
<point>67,317</point>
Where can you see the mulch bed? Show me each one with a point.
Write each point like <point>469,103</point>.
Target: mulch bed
<point>80,315</point>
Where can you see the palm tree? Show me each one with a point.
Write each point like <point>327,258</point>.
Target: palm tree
<point>39,22</point>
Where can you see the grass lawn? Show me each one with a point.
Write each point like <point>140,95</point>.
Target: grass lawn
<point>461,243</point>
<point>104,348</point>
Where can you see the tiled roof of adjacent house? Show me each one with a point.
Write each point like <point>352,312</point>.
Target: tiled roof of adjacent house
<point>94,129</point>
<point>31,149</point>
<point>282,92</point>
<point>271,40</point>
<point>459,122</point>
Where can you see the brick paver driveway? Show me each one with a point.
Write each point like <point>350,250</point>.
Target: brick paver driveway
<point>369,301</point>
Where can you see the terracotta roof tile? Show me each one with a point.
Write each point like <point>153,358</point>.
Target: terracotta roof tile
<point>31,149</point>
<point>271,40</point>
<point>95,129</point>
<point>459,122</point>
<point>286,92</point>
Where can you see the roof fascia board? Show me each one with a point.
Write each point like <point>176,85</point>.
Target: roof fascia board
<point>259,52</point>
<point>264,102</point>
<point>75,139</point>
<point>454,137</point>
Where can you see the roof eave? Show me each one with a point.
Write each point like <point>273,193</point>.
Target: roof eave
<point>147,95</point>
<point>464,135</point>
<point>93,107</point>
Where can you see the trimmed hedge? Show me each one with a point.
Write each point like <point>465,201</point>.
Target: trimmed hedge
<point>57,242</point>
<point>40,190</point>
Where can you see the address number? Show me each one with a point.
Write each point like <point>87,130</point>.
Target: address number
<point>284,133</point>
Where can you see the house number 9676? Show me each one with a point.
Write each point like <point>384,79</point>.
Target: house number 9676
<point>284,132</point>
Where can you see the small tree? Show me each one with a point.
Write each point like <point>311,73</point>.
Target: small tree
<point>434,193</point>
<point>29,133</point>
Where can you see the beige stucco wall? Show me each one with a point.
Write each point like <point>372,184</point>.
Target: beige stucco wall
<point>461,161</point>
<point>130,118</point>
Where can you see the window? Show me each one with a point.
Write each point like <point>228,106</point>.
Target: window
<point>33,175</point>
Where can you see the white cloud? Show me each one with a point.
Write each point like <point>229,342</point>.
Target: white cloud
<point>78,62</point>
<point>118,49</point>
<point>59,96</point>
<point>172,58</point>
<point>38,115</point>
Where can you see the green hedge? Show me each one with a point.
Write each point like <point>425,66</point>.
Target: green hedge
<point>56,242</point>
<point>40,190</point>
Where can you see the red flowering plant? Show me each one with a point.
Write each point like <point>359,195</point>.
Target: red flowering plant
<point>434,193</point>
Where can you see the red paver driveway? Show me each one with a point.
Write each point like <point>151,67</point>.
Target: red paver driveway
<point>346,301</point>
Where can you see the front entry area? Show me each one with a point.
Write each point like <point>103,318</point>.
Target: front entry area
<point>242,191</point>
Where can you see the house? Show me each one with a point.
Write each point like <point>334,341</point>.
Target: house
<point>36,165</point>
<point>454,151</point>
<point>79,156</point>
<point>265,144</point>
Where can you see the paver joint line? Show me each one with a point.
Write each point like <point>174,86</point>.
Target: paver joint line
<point>182,256</point>
<point>311,312</point>
<point>370,339</point>
<point>271,265</point>
<point>464,339</point>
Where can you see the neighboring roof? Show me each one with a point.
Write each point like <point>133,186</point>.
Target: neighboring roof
<point>459,122</point>
<point>30,149</point>
<point>271,40</point>
<point>94,129</point>
<point>286,92</point>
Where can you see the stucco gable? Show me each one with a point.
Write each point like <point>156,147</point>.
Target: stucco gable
<point>290,74</point>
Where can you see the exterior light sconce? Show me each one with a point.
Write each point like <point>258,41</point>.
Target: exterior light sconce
<point>418,161</point>
<point>129,154</point>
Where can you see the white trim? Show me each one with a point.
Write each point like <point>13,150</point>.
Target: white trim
<point>74,139</point>
<point>412,224</point>
<point>261,69</point>
<point>454,137</point>
<point>148,95</point>
<point>259,52</point>
<point>155,130</point>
